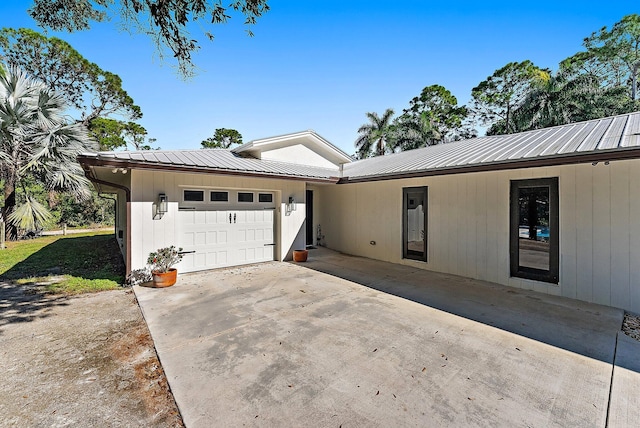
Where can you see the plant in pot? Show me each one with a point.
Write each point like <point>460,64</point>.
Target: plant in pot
<point>161,264</point>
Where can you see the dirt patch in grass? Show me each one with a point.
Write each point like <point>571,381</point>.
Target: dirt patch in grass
<point>79,361</point>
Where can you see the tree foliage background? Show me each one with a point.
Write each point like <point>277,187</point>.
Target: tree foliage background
<point>168,22</point>
<point>38,143</point>
<point>600,81</point>
<point>223,138</point>
<point>105,110</point>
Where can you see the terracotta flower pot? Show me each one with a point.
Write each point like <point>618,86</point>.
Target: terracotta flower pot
<point>300,255</point>
<point>164,279</point>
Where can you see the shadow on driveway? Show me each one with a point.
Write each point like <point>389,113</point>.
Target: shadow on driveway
<point>16,306</point>
<point>583,328</point>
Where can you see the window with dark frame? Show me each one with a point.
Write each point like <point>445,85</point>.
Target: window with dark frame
<point>534,229</point>
<point>245,197</point>
<point>219,196</point>
<point>414,223</point>
<point>193,195</point>
<point>265,197</point>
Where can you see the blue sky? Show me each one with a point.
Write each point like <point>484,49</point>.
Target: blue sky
<point>323,65</point>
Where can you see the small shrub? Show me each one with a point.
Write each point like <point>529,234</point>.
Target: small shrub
<point>163,259</point>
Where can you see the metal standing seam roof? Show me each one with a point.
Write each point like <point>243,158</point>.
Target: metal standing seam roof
<point>208,160</point>
<point>604,136</point>
<point>608,138</point>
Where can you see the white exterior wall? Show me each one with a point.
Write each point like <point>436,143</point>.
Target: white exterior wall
<point>149,234</point>
<point>468,230</point>
<point>298,154</point>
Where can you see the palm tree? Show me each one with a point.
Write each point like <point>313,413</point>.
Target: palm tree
<point>37,140</point>
<point>375,136</point>
<point>564,98</point>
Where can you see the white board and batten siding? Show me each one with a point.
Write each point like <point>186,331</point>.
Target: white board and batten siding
<point>200,229</point>
<point>468,227</point>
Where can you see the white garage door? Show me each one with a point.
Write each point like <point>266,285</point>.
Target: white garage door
<point>213,237</point>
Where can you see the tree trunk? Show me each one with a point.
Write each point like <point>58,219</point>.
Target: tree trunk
<point>9,207</point>
<point>52,199</point>
<point>634,80</point>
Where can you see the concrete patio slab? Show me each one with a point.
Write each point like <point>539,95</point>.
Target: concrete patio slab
<point>347,341</point>
<point>625,391</point>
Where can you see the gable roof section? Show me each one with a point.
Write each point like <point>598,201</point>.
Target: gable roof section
<point>328,150</point>
<point>611,138</point>
<point>219,161</point>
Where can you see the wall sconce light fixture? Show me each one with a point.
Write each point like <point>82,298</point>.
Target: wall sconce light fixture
<point>290,205</point>
<point>163,204</point>
<point>122,170</point>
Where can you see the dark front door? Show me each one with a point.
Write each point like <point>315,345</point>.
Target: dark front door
<point>309,219</point>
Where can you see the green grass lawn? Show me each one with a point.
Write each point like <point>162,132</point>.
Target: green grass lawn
<point>72,264</point>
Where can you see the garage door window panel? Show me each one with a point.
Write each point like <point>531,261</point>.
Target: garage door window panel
<point>265,197</point>
<point>193,196</point>
<point>245,197</point>
<point>216,196</point>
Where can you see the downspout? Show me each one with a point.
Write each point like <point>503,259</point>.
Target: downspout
<point>127,193</point>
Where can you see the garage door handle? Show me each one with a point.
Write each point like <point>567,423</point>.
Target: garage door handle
<point>234,217</point>
<point>229,218</point>
<point>269,245</point>
<point>186,252</point>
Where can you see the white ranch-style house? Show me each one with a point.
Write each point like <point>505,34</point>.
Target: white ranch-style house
<point>555,210</point>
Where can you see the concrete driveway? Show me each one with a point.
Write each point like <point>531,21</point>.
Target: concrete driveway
<point>347,341</point>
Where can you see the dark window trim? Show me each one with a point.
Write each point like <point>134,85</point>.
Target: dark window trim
<point>211,199</point>
<point>405,250</point>
<point>553,274</point>
<point>245,193</point>
<point>260,194</point>
<point>184,199</point>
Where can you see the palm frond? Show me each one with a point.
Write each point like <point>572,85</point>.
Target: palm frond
<point>31,215</point>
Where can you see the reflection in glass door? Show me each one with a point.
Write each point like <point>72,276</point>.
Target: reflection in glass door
<point>415,223</point>
<point>534,228</point>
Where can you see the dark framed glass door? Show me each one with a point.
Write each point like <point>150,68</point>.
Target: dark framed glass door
<point>414,223</point>
<point>309,217</point>
<point>534,229</point>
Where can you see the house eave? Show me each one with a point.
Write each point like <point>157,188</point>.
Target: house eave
<point>93,161</point>
<point>589,157</point>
